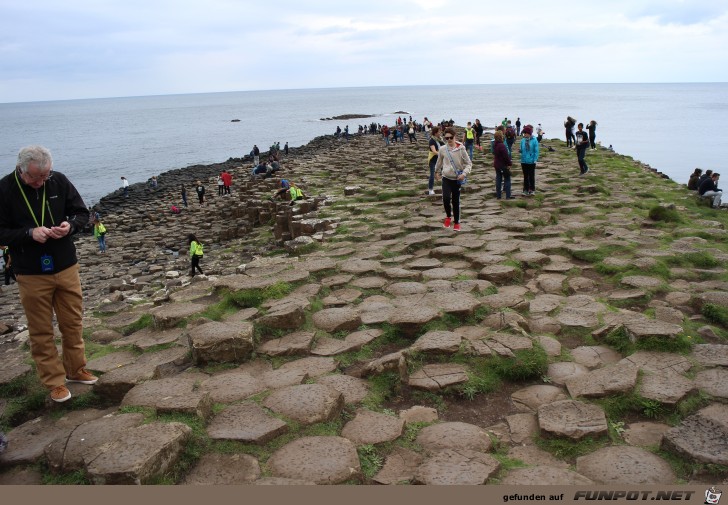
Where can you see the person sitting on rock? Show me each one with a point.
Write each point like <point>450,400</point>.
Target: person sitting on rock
<point>290,188</point>
<point>693,181</point>
<point>709,189</point>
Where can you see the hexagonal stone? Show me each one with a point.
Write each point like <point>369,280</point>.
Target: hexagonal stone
<point>231,386</point>
<point>143,454</point>
<point>457,467</point>
<point>641,281</point>
<point>13,366</point>
<point>174,394</point>
<point>337,319</point>
<point>353,389</point>
<point>369,282</point>
<point>577,318</point>
<point>323,460</point>
<point>399,466</point>
<point>499,274</point>
<point>562,371</point>
<point>551,283</point>
<point>438,376</point>
<point>595,356</point>
<point>701,437</point>
<point>645,434</point>
<point>169,315</point>
<point>531,258</point>
<point>150,337</point>
<point>375,310</point>
<point>533,456</point>
<point>647,328</point>
<point>544,476</point>
<point>530,398</point>
<point>545,303</point>
<point>603,381</point>
<point>437,342</point>
<point>389,362</point>
<point>454,435</point>
<point>713,381</point>
<point>297,342</point>
<point>372,428</point>
<point>443,273</point>
<point>357,266</point>
<point>402,273</point>
<point>214,469</point>
<point>460,304</point>
<point>312,366</point>
<point>411,319</point>
<point>550,345</point>
<point>221,342</point>
<point>711,354</point>
<point>341,297</point>
<point>419,414</point>
<point>285,315</point>
<point>326,346</point>
<point>665,387</point>
<point>625,465</point>
<point>307,403</point>
<point>522,427</point>
<point>246,422</point>
<point>572,419</point>
<point>424,263</point>
<point>406,288</point>
<point>659,362</point>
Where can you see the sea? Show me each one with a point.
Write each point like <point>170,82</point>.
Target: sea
<point>672,127</point>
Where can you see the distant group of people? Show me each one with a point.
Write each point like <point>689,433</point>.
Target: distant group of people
<point>706,184</point>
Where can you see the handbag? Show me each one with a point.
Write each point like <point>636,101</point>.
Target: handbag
<point>457,172</point>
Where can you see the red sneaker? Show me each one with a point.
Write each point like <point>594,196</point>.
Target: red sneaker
<point>446,223</point>
<point>456,227</point>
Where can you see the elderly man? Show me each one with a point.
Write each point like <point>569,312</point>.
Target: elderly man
<point>39,212</point>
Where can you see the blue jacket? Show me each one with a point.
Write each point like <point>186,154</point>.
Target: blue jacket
<point>529,155</point>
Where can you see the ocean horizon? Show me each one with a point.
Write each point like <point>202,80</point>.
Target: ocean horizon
<point>96,141</point>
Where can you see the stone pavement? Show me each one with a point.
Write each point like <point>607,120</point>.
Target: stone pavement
<point>360,352</point>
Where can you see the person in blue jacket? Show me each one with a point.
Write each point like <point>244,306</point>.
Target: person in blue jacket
<point>529,157</point>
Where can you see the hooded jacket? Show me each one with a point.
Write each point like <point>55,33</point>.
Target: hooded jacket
<point>529,150</point>
<point>459,155</point>
<point>63,203</point>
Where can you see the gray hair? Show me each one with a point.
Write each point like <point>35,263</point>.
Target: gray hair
<point>38,154</point>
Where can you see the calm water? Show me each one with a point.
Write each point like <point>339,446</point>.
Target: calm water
<point>96,141</point>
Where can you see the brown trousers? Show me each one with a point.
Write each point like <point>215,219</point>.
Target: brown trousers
<point>41,296</point>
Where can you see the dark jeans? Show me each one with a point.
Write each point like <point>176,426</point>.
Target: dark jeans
<point>451,191</point>
<point>592,141</point>
<point>580,153</point>
<point>195,264</point>
<point>469,145</point>
<point>569,138</point>
<point>529,176</point>
<point>502,178</point>
<point>9,274</point>
<point>431,182</point>
<point>220,190</point>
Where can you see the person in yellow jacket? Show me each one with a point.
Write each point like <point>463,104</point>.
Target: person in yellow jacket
<point>290,188</point>
<point>195,254</point>
<point>100,234</point>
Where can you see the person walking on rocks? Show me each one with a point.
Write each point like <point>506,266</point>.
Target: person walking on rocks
<point>502,164</point>
<point>227,181</point>
<point>40,211</point>
<point>184,195</point>
<point>453,165</point>
<point>518,126</point>
<point>469,139</point>
<point>478,127</point>
<point>100,234</point>
<point>195,254</point>
<point>200,188</point>
<point>256,155</point>
<point>125,186</point>
<point>582,143</point>
<point>529,157</point>
<point>592,134</point>
<point>434,146</point>
<point>220,185</point>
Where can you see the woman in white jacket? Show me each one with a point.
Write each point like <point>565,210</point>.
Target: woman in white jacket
<point>453,165</point>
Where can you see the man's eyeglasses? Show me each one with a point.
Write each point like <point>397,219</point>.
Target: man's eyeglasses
<point>449,137</point>
<point>38,178</point>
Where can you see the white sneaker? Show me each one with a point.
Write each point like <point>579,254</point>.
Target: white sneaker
<point>432,192</point>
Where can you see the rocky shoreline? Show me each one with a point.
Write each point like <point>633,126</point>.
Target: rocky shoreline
<point>566,338</point>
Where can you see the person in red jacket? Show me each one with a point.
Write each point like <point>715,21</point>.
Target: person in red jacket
<point>227,181</point>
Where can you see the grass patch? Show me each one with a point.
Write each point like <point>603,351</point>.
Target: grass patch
<point>382,387</point>
<point>664,214</point>
<point>621,342</point>
<point>699,259</point>
<point>528,364</point>
<point>143,322</point>
<point>569,450</point>
<point>246,298</point>
<point>715,314</point>
<point>370,459</point>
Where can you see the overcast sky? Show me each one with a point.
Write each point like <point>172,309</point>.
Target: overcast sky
<point>64,49</point>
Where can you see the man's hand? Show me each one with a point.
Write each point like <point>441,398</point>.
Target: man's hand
<point>41,234</point>
<point>60,231</point>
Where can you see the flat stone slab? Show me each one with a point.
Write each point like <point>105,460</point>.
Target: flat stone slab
<point>550,345</point>
<point>143,454</point>
<point>307,403</point>
<point>577,318</point>
<point>533,456</point>
<point>298,342</point>
<point>552,284</point>
<point>646,328</point>
<point>286,314</point>
<point>369,427</point>
<point>665,387</point>
<point>214,469</point>
<point>369,282</point>
<point>313,366</point>
<point>545,303</point>
<point>424,263</point>
<point>713,381</point>
<point>460,304</point>
<point>111,361</point>
<point>173,394</point>
<point>711,354</point>
<point>169,315</point>
<point>642,281</point>
<point>646,434</point>
<point>323,460</point>
<point>353,389</point>
<point>359,267</point>
<point>437,342</point>
<point>12,366</point>
<point>572,419</point>
<point>522,427</point>
<point>399,466</point>
<point>595,356</point>
<point>221,342</point>
<point>326,346</point>
<point>69,453</point>
<point>454,435</point>
<point>544,476</point>
<point>150,337</point>
<point>419,414</point>
<point>341,297</point>
<point>625,465</point>
<point>499,274</point>
<point>659,362</point>
<point>603,381</point>
<point>530,398</point>
<point>232,385</point>
<point>412,318</point>
<point>435,377</point>
<point>442,273</point>
<point>246,422</point>
<point>562,371</point>
<point>337,319</point>
<point>457,467</point>
<point>701,437</point>
<point>389,362</point>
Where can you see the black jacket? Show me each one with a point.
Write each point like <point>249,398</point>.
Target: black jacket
<point>64,204</point>
<point>707,185</point>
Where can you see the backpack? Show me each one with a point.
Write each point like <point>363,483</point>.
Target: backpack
<point>510,133</point>
<point>198,249</point>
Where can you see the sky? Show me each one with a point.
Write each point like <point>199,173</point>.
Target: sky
<point>70,49</point>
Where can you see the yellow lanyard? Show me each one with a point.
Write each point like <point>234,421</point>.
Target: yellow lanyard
<point>42,207</point>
